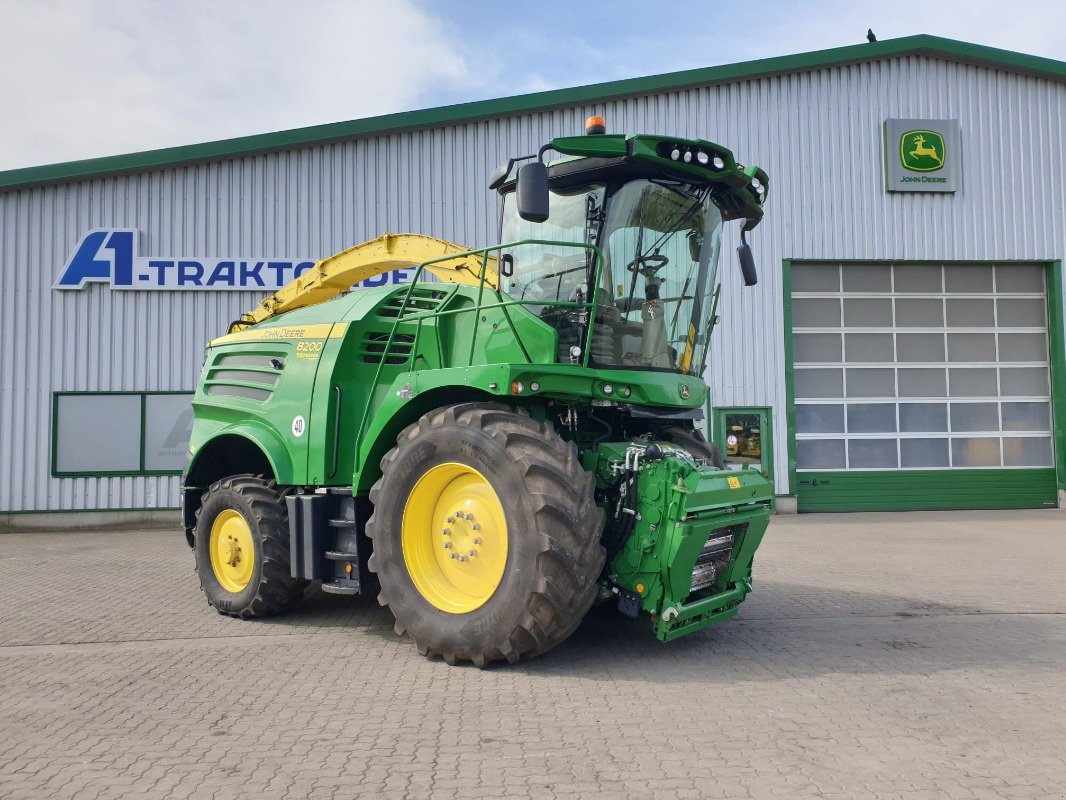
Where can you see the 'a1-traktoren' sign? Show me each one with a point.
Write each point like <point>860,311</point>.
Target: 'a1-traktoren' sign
<point>109,255</point>
<point>923,155</point>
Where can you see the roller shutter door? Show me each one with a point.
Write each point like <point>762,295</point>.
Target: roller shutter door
<point>921,386</point>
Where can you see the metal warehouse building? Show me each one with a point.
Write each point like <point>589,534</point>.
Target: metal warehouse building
<point>903,348</point>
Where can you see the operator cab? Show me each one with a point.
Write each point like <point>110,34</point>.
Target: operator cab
<point>660,240</point>
<point>655,210</point>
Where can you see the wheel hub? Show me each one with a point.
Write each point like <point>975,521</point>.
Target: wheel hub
<point>462,536</point>
<point>231,550</point>
<point>454,538</point>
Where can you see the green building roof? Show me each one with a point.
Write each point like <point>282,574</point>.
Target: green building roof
<point>922,45</point>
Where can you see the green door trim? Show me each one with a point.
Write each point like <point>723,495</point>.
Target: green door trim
<point>1056,321</point>
<point>1056,318</point>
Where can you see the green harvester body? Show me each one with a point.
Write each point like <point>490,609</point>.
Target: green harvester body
<point>316,397</point>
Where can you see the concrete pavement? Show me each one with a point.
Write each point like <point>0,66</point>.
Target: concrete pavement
<point>918,655</point>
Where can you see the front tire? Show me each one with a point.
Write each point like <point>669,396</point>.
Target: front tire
<point>242,548</point>
<point>486,535</point>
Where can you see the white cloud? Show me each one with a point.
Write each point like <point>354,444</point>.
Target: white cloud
<point>84,79</point>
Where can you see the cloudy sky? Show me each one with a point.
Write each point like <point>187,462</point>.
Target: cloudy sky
<point>85,78</point>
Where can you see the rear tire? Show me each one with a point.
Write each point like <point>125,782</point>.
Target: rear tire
<point>242,548</point>
<point>546,580</point>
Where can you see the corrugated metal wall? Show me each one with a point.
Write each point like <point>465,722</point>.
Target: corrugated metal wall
<point>817,133</point>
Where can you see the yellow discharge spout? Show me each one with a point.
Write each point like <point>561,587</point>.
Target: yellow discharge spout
<point>338,273</point>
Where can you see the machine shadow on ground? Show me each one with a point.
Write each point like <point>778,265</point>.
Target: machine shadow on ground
<point>884,634</point>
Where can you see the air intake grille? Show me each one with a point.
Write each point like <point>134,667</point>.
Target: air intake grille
<point>372,348</point>
<point>252,376</point>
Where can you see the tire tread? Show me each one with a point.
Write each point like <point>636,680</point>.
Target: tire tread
<point>277,591</point>
<point>567,521</point>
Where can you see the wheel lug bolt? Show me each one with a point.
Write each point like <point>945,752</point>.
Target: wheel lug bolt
<point>473,553</point>
<point>470,517</point>
<point>454,555</point>
<point>447,545</point>
<point>462,558</point>
<point>477,540</point>
<point>475,527</point>
<point>450,520</point>
<point>446,532</point>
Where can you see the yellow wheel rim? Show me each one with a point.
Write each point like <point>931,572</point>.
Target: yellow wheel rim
<point>232,551</point>
<point>454,538</point>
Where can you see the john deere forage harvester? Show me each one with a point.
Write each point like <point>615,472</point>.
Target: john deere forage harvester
<point>506,440</point>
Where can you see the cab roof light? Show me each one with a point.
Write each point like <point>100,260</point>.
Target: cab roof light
<point>595,126</point>
<point>701,155</point>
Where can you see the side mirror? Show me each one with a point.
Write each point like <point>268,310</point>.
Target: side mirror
<point>532,192</point>
<point>499,175</point>
<point>747,265</point>
<point>695,244</point>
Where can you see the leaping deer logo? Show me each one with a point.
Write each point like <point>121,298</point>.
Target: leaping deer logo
<point>921,150</point>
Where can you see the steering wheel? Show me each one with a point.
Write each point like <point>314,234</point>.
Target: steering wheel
<point>649,264</point>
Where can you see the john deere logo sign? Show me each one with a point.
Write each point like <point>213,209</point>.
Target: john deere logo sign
<point>922,151</point>
<point>922,155</point>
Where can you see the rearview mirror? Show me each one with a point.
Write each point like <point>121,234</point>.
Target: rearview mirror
<point>532,192</point>
<point>695,244</point>
<point>499,175</point>
<point>747,265</point>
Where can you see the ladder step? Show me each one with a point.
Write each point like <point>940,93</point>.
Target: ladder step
<point>342,523</point>
<point>341,586</point>
<point>334,555</point>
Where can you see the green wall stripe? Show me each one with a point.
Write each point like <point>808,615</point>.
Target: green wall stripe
<point>926,490</point>
<point>922,45</point>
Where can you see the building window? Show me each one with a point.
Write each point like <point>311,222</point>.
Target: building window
<point>744,437</point>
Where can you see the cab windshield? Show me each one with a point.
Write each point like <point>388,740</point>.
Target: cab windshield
<point>660,241</point>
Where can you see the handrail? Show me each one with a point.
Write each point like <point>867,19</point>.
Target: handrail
<point>480,306</point>
<point>709,329</point>
<point>337,395</point>
<point>590,304</point>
